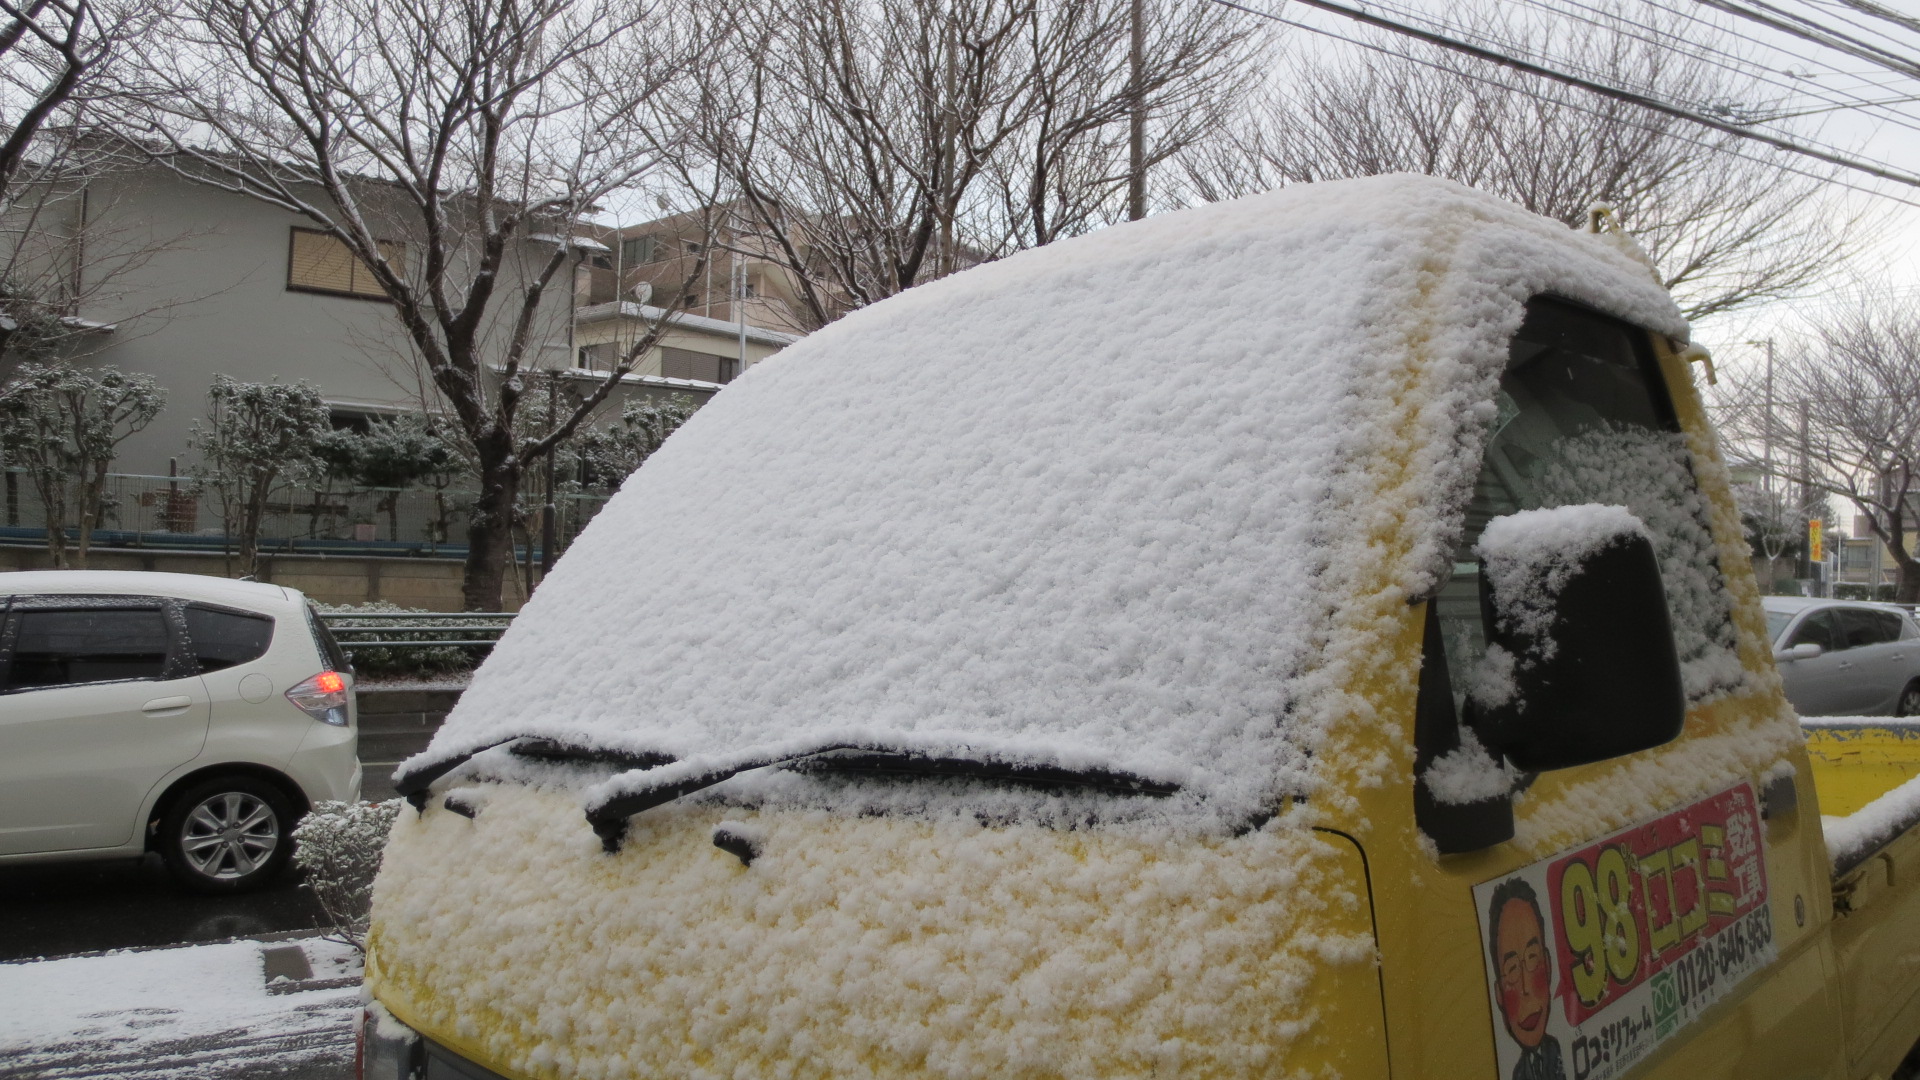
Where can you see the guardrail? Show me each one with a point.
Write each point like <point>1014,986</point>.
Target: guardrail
<point>417,629</point>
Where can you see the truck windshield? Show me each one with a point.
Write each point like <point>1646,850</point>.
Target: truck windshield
<point>1584,417</point>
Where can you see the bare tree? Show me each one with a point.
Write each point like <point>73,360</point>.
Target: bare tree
<point>62,426</point>
<point>452,149</point>
<point>1727,225</point>
<point>1846,410</point>
<point>1775,514</point>
<point>49,49</point>
<point>1068,166</point>
<point>876,144</point>
<point>56,67</point>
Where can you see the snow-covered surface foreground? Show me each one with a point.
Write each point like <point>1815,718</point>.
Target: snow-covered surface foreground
<point>196,1013</point>
<point>1038,513</point>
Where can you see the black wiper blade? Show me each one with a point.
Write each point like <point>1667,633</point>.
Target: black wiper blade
<point>610,817</point>
<point>908,764</point>
<point>576,753</point>
<point>413,786</point>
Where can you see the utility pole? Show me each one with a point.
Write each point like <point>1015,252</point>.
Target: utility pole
<point>1137,122</point>
<point>548,531</point>
<point>1767,427</point>
<point>740,310</point>
<point>1806,491</point>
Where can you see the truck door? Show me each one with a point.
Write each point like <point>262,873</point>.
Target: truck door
<point>97,704</point>
<point>1648,918</point>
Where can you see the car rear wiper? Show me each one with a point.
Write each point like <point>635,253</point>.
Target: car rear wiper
<point>610,816</point>
<point>413,785</point>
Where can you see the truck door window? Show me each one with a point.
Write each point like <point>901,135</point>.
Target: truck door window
<point>1582,416</point>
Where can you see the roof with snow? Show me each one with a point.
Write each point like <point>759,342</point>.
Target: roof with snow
<point>1088,506</point>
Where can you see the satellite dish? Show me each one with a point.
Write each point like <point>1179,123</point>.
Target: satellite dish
<point>642,291</point>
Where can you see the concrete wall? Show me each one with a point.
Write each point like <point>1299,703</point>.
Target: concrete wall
<point>433,584</point>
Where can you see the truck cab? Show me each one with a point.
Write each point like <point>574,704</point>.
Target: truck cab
<point>1038,674</point>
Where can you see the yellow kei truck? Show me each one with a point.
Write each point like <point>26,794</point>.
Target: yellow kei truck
<point>1306,636</point>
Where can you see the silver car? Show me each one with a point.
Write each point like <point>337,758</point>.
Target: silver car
<point>1845,658</point>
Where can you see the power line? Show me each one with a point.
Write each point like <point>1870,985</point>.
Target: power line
<point>1575,106</point>
<point>1589,85</point>
<point>1413,16</point>
<point>1802,27</point>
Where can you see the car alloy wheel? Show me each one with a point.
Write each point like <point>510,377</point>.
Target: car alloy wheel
<point>1909,701</point>
<point>227,833</point>
<point>230,835</point>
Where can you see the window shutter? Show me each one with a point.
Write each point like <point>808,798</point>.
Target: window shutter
<point>319,262</point>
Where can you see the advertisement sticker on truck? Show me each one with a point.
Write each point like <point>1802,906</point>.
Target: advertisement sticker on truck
<point>1598,955</point>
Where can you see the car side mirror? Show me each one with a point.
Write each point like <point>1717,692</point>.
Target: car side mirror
<point>1806,650</point>
<point>1573,599</point>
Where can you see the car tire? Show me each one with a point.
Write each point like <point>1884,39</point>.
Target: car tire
<point>1909,703</point>
<point>227,834</point>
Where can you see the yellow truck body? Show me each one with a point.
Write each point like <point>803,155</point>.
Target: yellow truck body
<point>1683,913</point>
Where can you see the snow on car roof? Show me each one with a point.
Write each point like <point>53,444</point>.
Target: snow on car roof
<point>1088,506</point>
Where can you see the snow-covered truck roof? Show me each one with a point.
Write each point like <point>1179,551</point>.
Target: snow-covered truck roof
<point>1090,506</point>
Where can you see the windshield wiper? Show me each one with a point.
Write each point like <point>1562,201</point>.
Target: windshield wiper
<point>413,785</point>
<point>610,817</point>
<point>576,753</point>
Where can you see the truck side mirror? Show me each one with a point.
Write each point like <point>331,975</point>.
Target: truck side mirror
<point>1573,596</point>
<point>1806,650</point>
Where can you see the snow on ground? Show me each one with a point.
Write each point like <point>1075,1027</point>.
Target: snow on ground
<point>196,1013</point>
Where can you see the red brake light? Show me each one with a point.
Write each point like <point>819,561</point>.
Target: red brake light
<point>323,697</point>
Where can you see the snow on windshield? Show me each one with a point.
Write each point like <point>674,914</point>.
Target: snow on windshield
<point>1095,505</point>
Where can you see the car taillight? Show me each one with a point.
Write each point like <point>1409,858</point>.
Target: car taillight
<point>323,697</point>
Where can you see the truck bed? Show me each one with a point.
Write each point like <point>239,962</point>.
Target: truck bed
<point>1866,771</point>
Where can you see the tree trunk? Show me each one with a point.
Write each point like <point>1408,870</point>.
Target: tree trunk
<point>251,516</point>
<point>53,507</point>
<point>1907,589</point>
<point>490,531</point>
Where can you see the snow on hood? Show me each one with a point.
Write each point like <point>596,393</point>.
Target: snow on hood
<point>1088,506</point>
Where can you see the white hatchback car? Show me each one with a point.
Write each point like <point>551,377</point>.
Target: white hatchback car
<point>193,716</point>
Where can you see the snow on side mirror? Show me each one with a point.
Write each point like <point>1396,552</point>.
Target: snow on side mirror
<point>1806,650</point>
<point>1572,597</point>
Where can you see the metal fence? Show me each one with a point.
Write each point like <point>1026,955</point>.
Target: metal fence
<point>168,511</point>
<point>362,630</point>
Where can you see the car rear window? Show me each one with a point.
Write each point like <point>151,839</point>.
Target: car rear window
<point>329,648</point>
<point>221,639</point>
<point>70,646</point>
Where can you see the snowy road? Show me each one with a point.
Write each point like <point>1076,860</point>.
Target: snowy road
<point>198,1013</point>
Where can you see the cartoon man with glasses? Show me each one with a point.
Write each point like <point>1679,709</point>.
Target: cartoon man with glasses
<point>1519,942</point>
